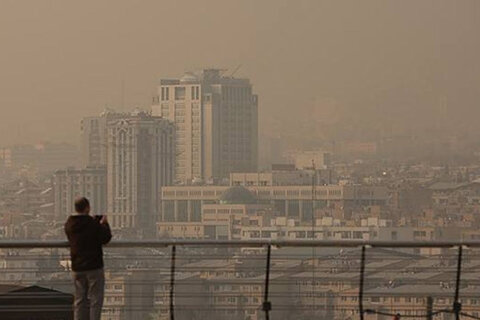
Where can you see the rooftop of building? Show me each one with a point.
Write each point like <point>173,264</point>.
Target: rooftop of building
<point>422,290</point>
<point>237,195</point>
<point>206,76</point>
<point>257,279</point>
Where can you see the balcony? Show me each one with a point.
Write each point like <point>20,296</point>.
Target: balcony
<point>251,280</point>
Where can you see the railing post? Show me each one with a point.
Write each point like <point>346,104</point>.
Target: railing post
<point>360,289</point>
<point>457,306</point>
<point>172,283</point>
<point>429,308</point>
<point>267,305</point>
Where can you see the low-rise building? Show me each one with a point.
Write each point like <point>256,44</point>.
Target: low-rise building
<point>72,183</point>
<point>34,302</point>
<point>272,178</point>
<point>26,197</point>
<point>295,202</point>
<point>128,295</point>
<point>242,297</point>
<point>190,297</point>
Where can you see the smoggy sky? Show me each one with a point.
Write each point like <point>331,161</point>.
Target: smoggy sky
<point>63,60</point>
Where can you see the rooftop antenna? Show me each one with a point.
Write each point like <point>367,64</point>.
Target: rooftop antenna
<point>220,70</point>
<point>122,95</point>
<point>235,70</point>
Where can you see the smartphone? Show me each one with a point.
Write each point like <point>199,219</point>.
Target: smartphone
<point>98,217</point>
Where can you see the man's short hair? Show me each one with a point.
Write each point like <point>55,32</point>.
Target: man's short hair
<point>81,204</point>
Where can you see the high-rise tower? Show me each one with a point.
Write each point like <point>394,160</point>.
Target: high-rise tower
<point>216,121</point>
<point>140,160</point>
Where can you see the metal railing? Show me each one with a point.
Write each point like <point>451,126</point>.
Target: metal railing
<point>249,243</point>
<point>365,289</point>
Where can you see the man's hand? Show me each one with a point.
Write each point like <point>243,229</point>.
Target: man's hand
<point>105,233</point>
<point>104,220</point>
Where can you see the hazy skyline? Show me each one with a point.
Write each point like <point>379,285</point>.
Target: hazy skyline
<point>61,61</point>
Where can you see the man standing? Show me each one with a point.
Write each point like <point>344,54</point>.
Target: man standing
<point>86,235</point>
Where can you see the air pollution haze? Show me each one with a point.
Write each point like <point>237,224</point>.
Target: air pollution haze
<point>247,159</point>
<point>377,68</point>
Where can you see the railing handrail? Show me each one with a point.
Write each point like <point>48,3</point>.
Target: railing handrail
<point>267,305</point>
<point>30,244</point>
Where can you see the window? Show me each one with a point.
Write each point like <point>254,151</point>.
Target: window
<point>293,208</point>
<point>182,210</point>
<point>292,192</point>
<point>394,235</point>
<point>179,93</point>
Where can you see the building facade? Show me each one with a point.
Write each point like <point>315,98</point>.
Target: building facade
<point>294,202</point>
<point>272,178</point>
<point>34,302</point>
<point>216,120</point>
<point>94,138</point>
<point>140,160</point>
<point>43,158</point>
<point>72,183</point>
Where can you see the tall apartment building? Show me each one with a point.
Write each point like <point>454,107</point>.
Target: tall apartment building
<point>216,120</point>
<point>94,138</point>
<point>140,160</point>
<point>72,183</point>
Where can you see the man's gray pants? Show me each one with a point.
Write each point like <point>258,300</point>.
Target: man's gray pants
<point>89,291</point>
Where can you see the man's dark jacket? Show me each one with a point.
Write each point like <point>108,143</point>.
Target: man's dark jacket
<point>86,236</point>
